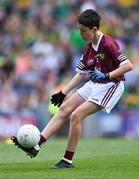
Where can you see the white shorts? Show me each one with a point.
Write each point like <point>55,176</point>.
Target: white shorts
<point>105,95</point>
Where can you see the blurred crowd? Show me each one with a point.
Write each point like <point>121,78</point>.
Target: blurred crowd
<point>40,47</point>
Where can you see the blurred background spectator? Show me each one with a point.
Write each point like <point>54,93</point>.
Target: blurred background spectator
<point>40,47</point>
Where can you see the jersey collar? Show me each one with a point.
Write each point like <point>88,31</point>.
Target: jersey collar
<point>97,45</point>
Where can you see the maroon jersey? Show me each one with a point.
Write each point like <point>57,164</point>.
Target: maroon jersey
<point>105,56</point>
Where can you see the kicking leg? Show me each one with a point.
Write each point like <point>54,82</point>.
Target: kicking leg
<point>54,124</point>
<point>64,111</point>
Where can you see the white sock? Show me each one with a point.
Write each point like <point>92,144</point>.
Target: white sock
<point>67,160</point>
<point>37,147</point>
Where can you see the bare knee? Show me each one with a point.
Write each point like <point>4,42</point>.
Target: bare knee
<point>76,118</point>
<point>64,111</point>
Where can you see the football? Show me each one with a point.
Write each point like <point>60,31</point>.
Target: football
<point>28,135</point>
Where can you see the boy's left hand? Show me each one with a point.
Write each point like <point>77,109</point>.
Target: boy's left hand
<point>98,75</point>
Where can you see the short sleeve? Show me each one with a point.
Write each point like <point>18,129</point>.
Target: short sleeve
<point>81,68</point>
<point>116,54</point>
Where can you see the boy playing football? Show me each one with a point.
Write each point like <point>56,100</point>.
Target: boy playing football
<point>104,65</point>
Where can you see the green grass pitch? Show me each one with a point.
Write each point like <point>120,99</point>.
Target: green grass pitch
<point>98,158</point>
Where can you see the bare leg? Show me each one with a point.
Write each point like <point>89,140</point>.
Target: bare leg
<point>64,111</point>
<point>77,116</point>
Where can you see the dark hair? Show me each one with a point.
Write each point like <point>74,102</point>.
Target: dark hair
<point>89,18</point>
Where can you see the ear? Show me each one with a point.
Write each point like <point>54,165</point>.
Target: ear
<point>94,29</point>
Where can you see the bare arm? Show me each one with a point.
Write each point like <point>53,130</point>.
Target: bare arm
<point>121,70</point>
<point>73,83</point>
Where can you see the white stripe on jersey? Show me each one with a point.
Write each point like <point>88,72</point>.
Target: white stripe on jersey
<point>122,57</point>
<point>80,65</point>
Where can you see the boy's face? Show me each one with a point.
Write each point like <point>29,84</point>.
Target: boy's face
<point>86,33</point>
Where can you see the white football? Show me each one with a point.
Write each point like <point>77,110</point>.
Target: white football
<point>28,135</point>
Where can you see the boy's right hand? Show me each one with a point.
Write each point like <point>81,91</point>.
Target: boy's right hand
<point>57,98</point>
